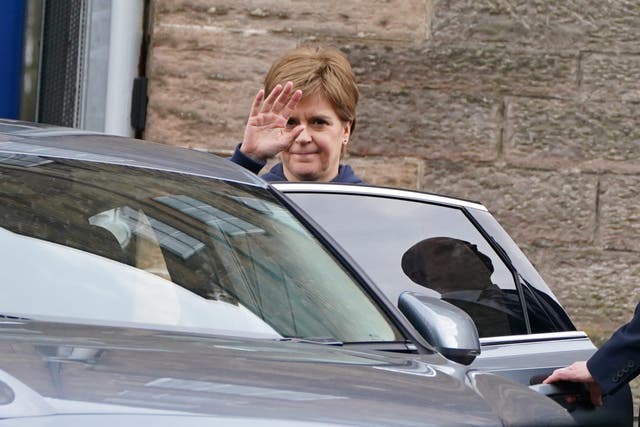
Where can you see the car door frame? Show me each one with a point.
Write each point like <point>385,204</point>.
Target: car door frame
<point>418,197</point>
<point>522,358</point>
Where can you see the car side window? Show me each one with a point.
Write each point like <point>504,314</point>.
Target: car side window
<point>423,247</point>
<point>462,275</point>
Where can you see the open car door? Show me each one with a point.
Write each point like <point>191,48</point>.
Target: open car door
<point>456,250</point>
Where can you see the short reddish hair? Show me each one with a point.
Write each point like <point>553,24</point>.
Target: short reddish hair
<point>318,70</point>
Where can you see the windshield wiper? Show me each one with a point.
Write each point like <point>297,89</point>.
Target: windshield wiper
<point>12,317</point>
<point>314,340</point>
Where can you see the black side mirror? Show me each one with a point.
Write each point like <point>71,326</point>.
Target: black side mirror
<point>446,327</point>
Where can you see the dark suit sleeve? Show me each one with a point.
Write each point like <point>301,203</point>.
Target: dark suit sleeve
<point>618,360</point>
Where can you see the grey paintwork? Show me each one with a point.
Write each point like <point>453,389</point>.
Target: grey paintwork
<point>28,138</point>
<point>518,357</point>
<point>450,330</point>
<point>64,369</point>
<point>497,352</point>
<point>132,374</point>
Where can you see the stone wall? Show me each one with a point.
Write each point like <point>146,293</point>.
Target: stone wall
<point>529,106</point>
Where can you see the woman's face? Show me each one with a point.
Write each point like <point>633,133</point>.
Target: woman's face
<point>315,154</point>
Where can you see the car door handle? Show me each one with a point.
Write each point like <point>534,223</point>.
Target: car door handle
<point>562,391</point>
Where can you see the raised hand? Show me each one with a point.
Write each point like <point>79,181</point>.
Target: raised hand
<point>266,133</point>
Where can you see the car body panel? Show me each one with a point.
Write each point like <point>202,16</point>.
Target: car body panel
<point>374,232</point>
<point>58,368</point>
<point>23,138</point>
<point>75,370</point>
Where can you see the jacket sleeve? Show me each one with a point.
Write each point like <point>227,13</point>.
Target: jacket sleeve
<point>246,162</point>
<point>618,360</point>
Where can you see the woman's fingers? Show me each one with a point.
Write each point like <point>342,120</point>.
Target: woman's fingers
<point>281,101</point>
<point>271,99</point>
<point>283,98</point>
<point>291,104</point>
<point>255,107</point>
<point>293,134</point>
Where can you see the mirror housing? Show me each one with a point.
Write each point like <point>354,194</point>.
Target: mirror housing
<point>446,327</point>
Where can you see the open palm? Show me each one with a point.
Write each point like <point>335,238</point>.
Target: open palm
<point>266,133</point>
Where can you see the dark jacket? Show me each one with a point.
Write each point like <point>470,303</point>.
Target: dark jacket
<point>276,173</point>
<point>618,360</point>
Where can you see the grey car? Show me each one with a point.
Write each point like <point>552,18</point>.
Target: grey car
<point>148,284</point>
<point>455,250</point>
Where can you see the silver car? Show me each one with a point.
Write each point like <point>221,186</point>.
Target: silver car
<point>148,284</point>
<point>410,242</point>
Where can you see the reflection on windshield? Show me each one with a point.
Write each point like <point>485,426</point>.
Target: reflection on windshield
<point>185,248</point>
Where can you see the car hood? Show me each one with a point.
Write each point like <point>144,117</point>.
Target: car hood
<point>67,374</point>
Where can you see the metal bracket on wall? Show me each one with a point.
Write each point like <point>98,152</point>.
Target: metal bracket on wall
<point>139,103</point>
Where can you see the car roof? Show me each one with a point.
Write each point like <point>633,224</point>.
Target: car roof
<point>26,138</point>
<point>377,191</point>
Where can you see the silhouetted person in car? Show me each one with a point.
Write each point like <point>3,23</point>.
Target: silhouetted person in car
<point>462,275</point>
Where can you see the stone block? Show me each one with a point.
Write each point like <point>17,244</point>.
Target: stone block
<point>426,124</point>
<point>551,134</point>
<point>467,68</point>
<point>597,287</point>
<point>374,19</point>
<point>549,25</point>
<point>620,212</point>
<point>600,70</point>
<point>388,171</point>
<point>202,84</point>
<point>535,207</point>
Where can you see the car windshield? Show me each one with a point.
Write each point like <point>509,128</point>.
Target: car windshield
<point>94,242</point>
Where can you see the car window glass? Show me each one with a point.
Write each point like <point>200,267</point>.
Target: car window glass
<point>406,245</point>
<point>545,313</point>
<point>133,245</point>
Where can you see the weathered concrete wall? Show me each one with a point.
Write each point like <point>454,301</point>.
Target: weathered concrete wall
<point>530,106</point>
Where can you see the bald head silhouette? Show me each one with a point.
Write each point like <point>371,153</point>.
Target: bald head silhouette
<point>445,264</point>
